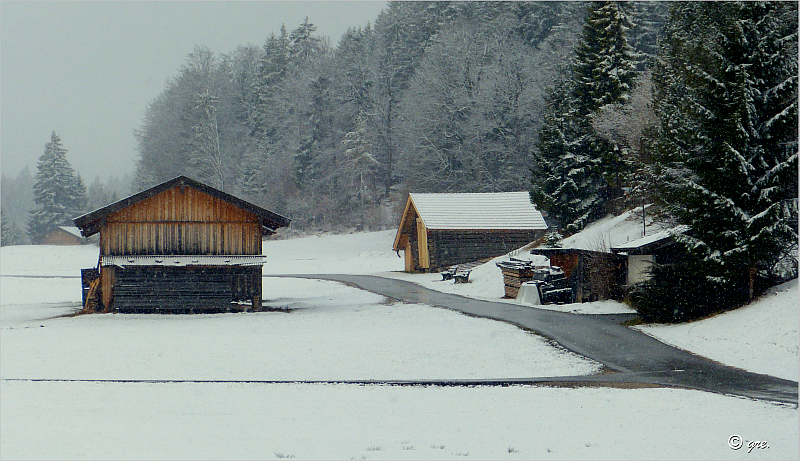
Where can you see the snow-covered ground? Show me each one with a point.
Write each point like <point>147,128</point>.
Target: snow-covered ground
<point>334,332</point>
<point>80,420</point>
<point>365,253</point>
<point>323,337</point>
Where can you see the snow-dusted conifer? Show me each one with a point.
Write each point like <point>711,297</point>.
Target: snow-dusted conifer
<point>579,170</point>
<point>603,71</point>
<point>727,89</point>
<point>59,193</point>
<point>9,235</point>
<point>566,180</point>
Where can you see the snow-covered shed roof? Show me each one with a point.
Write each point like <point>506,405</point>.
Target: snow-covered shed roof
<point>649,242</point>
<point>478,211</point>
<point>499,211</point>
<point>72,231</point>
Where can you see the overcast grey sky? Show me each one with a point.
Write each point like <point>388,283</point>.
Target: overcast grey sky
<point>88,70</point>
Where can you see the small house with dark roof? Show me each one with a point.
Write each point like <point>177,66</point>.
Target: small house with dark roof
<point>181,246</point>
<point>642,253</point>
<point>440,230</point>
<point>64,235</point>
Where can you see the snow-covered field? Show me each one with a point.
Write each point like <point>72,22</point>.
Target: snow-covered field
<point>324,337</point>
<point>334,332</point>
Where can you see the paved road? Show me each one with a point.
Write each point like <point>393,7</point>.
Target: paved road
<point>634,356</point>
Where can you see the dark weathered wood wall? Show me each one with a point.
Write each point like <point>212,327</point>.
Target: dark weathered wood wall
<point>60,237</point>
<point>457,247</point>
<point>183,289</point>
<point>181,220</point>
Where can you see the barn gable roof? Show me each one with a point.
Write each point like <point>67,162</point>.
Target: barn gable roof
<point>74,231</point>
<point>652,242</point>
<point>89,223</point>
<point>473,211</point>
<point>478,211</point>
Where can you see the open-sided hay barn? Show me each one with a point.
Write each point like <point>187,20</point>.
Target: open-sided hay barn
<point>180,246</point>
<point>439,230</point>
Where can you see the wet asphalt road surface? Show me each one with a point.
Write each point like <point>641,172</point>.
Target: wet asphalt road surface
<point>631,356</point>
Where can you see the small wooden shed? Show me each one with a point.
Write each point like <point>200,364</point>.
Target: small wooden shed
<point>181,246</point>
<point>593,275</point>
<point>64,235</point>
<point>440,230</point>
<point>642,253</point>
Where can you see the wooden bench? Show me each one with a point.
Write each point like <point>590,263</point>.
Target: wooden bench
<point>462,276</point>
<point>459,273</point>
<point>450,272</point>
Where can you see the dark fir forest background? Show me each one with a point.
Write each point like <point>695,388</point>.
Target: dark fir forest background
<point>591,106</point>
<point>432,97</point>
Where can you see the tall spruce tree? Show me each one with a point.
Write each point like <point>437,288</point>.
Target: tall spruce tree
<point>727,98</point>
<point>578,170</point>
<point>9,233</point>
<point>565,179</point>
<point>59,193</point>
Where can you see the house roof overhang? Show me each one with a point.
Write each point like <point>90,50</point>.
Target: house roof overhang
<point>90,223</point>
<point>650,243</point>
<point>402,234</point>
<point>572,251</point>
<point>183,260</point>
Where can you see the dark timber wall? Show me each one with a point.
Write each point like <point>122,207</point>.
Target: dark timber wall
<point>185,289</point>
<point>456,247</point>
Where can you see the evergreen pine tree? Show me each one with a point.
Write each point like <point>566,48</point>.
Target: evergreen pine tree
<point>9,235</point>
<point>603,71</point>
<point>59,193</point>
<point>727,90</point>
<point>649,20</point>
<point>579,170</point>
<point>566,180</point>
<point>304,45</point>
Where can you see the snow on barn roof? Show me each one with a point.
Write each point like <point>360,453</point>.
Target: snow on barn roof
<point>478,211</point>
<point>72,230</point>
<point>183,260</point>
<point>646,243</point>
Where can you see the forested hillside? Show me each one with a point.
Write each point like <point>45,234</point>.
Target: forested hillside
<point>432,97</point>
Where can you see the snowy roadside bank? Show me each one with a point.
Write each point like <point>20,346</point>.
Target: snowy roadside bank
<point>760,337</point>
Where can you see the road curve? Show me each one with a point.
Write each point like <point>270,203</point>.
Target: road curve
<point>634,356</point>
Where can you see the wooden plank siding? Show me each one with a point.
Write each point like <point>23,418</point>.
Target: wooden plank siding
<point>186,289</point>
<point>424,254</point>
<point>181,220</point>
<point>457,247</point>
<point>60,237</point>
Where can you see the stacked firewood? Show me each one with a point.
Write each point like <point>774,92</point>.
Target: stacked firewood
<point>515,273</point>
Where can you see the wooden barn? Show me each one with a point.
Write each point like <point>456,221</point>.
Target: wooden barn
<point>440,230</point>
<point>64,235</point>
<point>181,246</point>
